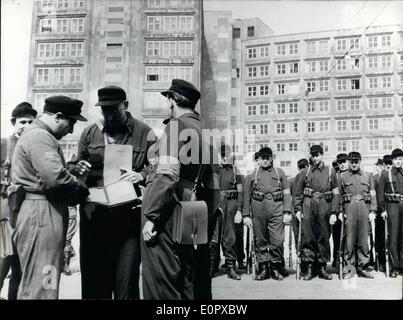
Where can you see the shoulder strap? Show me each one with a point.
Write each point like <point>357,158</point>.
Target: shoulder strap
<point>255,180</point>
<point>7,161</point>
<point>101,127</point>
<point>234,170</point>
<point>199,173</point>
<point>390,180</point>
<point>278,179</point>
<point>330,177</point>
<point>307,174</point>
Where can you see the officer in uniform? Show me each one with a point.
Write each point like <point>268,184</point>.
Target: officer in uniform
<point>110,237</point>
<point>359,200</point>
<point>231,192</point>
<point>21,118</point>
<point>269,196</point>
<point>391,206</point>
<point>379,222</point>
<point>39,167</point>
<point>342,166</point>
<point>171,270</point>
<point>316,196</point>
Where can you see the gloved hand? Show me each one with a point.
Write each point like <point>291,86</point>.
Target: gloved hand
<point>372,216</point>
<point>384,214</point>
<point>247,222</point>
<point>299,215</point>
<point>238,217</point>
<point>287,218</point>
<point>332,219</point>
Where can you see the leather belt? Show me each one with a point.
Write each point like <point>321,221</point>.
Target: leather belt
<point>317,194</point>
<point>35,196</point>
<point>268,196</point>
<point>357,197</point>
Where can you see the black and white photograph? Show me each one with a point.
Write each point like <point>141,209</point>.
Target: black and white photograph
<point>201,150</point>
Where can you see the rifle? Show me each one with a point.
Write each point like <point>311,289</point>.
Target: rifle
<point>248,255</point>
<point>290,247</point>
<point>252,254</point>
<point>386,248</point>
<point>299,249</point>
<point>374,253</point>
<point>340,251</point>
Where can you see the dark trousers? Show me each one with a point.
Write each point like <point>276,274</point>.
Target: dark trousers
<point>110,252</point>
<point>315,231</point>
<point>239,245</point>
<point>268,227</point>
<point>13,263</point>
<point>336,229</point>
<point>380,239</point>
<point>230,244</point>
<point>395,230</point>
<point>357,232</point>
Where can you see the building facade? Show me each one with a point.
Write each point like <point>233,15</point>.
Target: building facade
<point>303,89</point>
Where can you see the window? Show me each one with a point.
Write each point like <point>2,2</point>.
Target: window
<point>47,4</point>
<point>185,48</point>
<point>280,49</point>
<point>251,129</point>
<point>115,9</point>
<point>280,108</point>
<point>387,144</point>
<point>373,124</point>
<point>311,86</point>
<point>355,125</point>
<point>355,64</point>
<point>373,103</point>
<point>264,71</point>
<point>251,53</point>
<point>251,31</point>
<point>281,69</point>
<point>75,74</point>
<point>311,106</point>
<point>280,147</point>
<point>311,126</point>
<point>323,105</point>
<point>386,102</point>
<point>280,128</point>
<point>77,25</point>
<point>341,84</point>
<point>341,146</point>
<point>293,67</point>
<point>252,91</point>
<point>169,49</point>
<point>58,75</point>
<point>280,88</point>
<point>186,23</point>
<point>354,43</point>
<point>264,52</point>
<point>76,50</point>
<point>62,25</point>
<point>385,40</point>
<point>293,107</point>
<point>42,75</point>
<point>372,42</point>
<point>311,65</point>
<point>114,34</point>
<point>323,46</point>
<point>374,145</point>
<point>372,83</point>
<point>355,84</point>
<point>251,110</point>
<point>355,104</point>
<point>293,48</point>
<point>264,129</point>
<point>153,23</point>
<point>324,85</point>
<point>264,109</point>
<point>264,90</point>
<point>185,73</point>
<point>310,47</point>
<point>170,23</point>
<point>341,64</point>
<point>152,74</point>
<point>60,50</point>
<point>386,61</point>
<point>293,146</point>
<point>115,21</point>
<point>386,82</point>
<point>323,126</point>
<point>341,44</point>
<point>153,48</point>
<point>341,125</point>
<point>295,127</point>
<point>236,33</point>
<point>323,65</point>
<point>252,72</point>
<point>372,62</point>
<point>355,145</point>
<point>233,120</point>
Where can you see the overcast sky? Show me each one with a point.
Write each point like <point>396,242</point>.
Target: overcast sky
<point>281,16</point>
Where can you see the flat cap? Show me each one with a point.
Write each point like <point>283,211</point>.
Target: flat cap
<point>341,157</point>
<point>22,109</point>
<point>110,96</point>
<point>185,89</point>
<point>354,155</point>
<point>387,159</point>
<point>265,151</point>
<point>317,148</point>
<point>302,162</point>
<point>397,153</point>
<point>379,162</point>
<point>67,106</point>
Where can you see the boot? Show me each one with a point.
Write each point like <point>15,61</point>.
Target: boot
<point>66,267</point>
<point>283,270</point>
<point>231,273</point>
<point>275,274</point>
<point>322,273</point>
<point>264,272</point>
<point>241,265</point>
<point>394,273</point>
<point>214,258</point>
<point>364,274</point>
<point>309,272</point>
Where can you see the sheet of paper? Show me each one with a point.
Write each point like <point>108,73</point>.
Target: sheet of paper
<point>116,156</point>
<point>97,195</point>
<point>119,192</point>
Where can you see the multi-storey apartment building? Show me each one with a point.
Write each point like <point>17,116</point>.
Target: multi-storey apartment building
<point>341,89</point>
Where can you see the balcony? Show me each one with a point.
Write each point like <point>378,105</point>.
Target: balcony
<point>287,58</point>
<point>169,35</point>
<point>165,61</point>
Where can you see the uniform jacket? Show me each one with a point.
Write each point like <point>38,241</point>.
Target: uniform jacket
<point>228,182</point>
<point>385,185</point>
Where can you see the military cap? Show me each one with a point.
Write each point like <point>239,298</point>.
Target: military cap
<point>354,155</point>
<point>397,153</point>
<point>387,159</point>
<point>256,155</point>
<point>265,151</point>
<point>67,106</point>
<point>317,148</point>
<point>185,89</point>
<point>379,162</point>
<point>341,157</point>
<point>23,109</point>
<point>302,162</point>
<point>110,96</point>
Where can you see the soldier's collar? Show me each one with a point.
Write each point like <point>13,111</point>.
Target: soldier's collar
<point>394,170</point>
<point>359,171</point>
<point>321,166</point>
<point>266,169</point>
